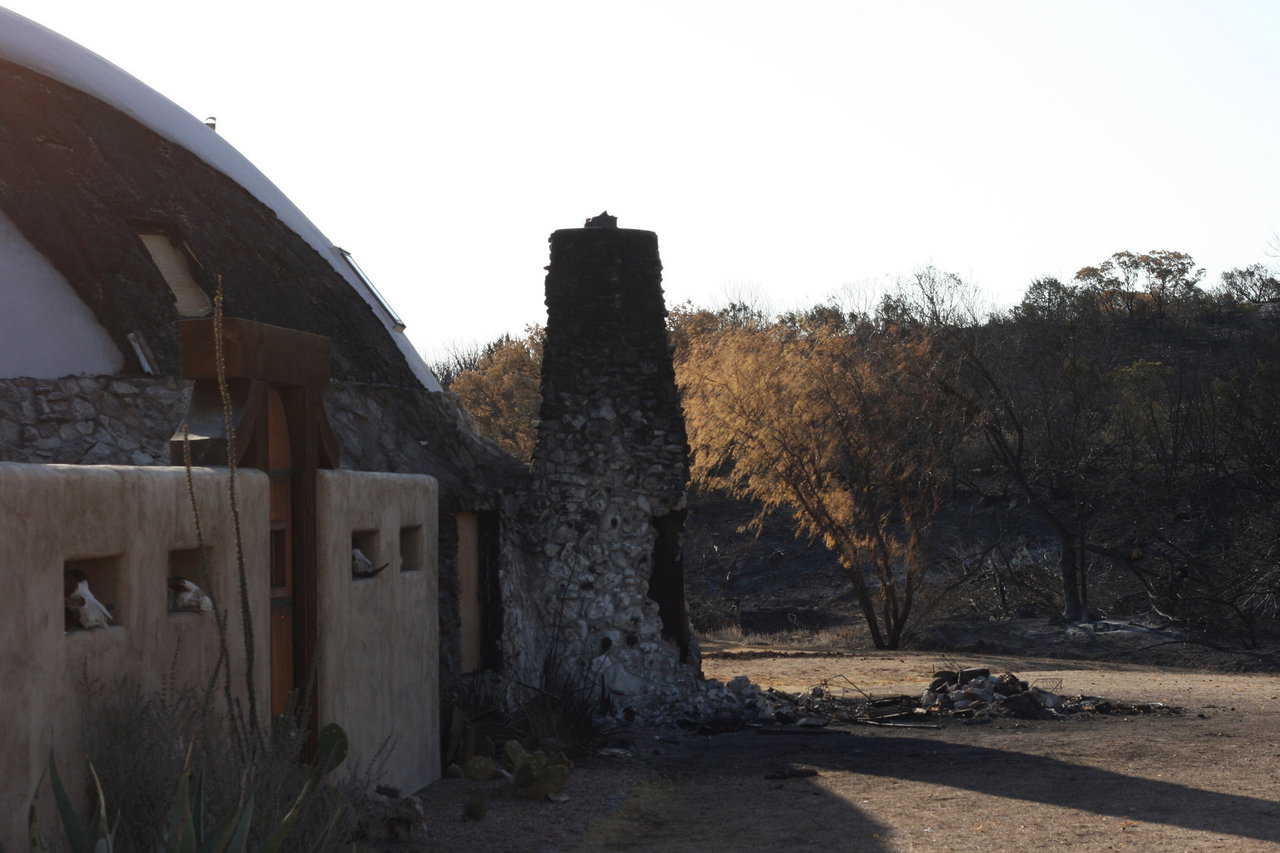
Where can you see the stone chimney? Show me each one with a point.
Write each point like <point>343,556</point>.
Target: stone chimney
<point>610,469</point>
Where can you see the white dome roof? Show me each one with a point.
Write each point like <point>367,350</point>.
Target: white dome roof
<point>26,43</point>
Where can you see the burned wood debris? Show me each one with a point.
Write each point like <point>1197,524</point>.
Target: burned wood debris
<point>966,694</point>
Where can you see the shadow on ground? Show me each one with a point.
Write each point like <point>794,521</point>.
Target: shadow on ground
<point>717,796</point>
<point>734,809</point>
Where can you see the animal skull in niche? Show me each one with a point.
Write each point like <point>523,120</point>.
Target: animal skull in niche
<point>362,566</point>
<point>88,611</point>
<point>187,596</point>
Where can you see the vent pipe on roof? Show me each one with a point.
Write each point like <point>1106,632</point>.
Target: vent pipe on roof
<point>142,352</point>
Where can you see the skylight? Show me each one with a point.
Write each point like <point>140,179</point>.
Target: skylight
<point>172,261</point>
<point>386,306</point>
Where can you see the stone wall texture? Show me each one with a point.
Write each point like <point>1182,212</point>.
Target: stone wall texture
<point>610,470</point>
<point>90,420</point>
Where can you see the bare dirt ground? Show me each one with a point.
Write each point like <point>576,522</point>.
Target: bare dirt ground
<point>1202,780</point>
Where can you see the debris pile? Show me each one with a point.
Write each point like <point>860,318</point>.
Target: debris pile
<point>967,694</point>
<point>737,698</point>
<point>724,706</point>
<point>976,692</point>
<point>972,691</point>
<point>824,704</point>
<point>972,694</point>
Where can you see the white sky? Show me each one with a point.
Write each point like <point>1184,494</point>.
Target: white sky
<point>780,150</point>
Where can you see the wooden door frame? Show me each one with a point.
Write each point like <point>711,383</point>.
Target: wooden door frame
<point>258,356</point>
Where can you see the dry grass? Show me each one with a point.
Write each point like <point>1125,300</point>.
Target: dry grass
<point>843,638</point>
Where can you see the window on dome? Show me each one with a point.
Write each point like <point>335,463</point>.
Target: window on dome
<point>174,263</point>
<point>377,295</point>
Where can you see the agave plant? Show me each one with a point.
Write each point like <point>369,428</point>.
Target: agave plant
<point>81,838</point>
<point>188,828</point>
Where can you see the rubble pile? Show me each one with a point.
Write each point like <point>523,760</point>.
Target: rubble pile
<point>713,706</point>
<point>963,694</point>
<point>966,694</point>
<point>822,704</point>
<point>976,692</point>
<point>630,699</point>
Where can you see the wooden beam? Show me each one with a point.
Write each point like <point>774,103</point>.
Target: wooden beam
<point>255,351</point>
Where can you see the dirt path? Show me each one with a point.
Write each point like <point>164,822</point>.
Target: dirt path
<point>1205,780</point>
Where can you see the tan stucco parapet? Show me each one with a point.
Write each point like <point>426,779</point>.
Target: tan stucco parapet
<point>122,523</point>
<point>378,655</point>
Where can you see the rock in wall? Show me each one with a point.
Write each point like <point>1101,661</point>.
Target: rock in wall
<point>90,420</point>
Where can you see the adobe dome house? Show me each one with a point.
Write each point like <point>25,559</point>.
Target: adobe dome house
<point>390,551</point>
<point>118,213</point>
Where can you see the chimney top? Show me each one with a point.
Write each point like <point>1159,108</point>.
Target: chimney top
<point>604,220</point>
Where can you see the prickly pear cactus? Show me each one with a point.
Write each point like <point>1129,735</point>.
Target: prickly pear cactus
<point>480,768</point>
<point>537,774</point>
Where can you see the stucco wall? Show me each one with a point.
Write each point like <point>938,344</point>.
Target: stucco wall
<point>128,420</point>
<point>378,655</point>
<point>53,513</point>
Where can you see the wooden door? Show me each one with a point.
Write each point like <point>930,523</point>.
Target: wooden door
<point>479,593</point>
<point>470,615</point>
<point>279,470</point>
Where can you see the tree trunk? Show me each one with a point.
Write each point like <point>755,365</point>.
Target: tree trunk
<point>1085,563</point>
<point>867,606</point>
<point>895,636</point>
<point>1001,589</point>
<point>869,612</point>
<point>1069,562</point>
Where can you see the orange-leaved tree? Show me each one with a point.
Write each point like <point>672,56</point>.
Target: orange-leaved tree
<point>847,422</point>
<point>500,388</point>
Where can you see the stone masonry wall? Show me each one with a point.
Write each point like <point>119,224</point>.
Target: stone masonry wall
<point>610,469</point>
<point>128,420</point>
<point>90,420</point>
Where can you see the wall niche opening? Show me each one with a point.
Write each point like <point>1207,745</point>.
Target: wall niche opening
<point>189,564</point>
<point>366,554</point>
<point>412,545</point>
<point>666,583</point>
<point>104,582</point>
